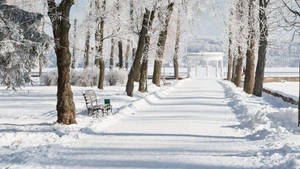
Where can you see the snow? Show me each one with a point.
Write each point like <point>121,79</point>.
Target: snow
<point>289,89</point>
<point>193,123</point>
<point>281,71</point>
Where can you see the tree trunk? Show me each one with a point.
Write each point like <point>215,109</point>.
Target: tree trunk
<point>127,54</point>
<point>230,57</point>
<point>40,67</point>
<point>240,57</point>
<point>87,50</point>
<point>143,76</point>
<point>230,60</point>
<point>239,72</point>
<point>101,74</point>
<point>250,70</point>
<point>112,49</point>
<point>139,53</point>
<point>87,43</point>
<point>99,37</point>
<point>144,66</point>
<point>161,46</point>
<point>157,72</point>
<point>131,12</point>
<point>234,62</point>
<point>262,50</point>
<point>74,45</point>
<point>175,59</point>
<point>299,98</point>
<point>120,45</point>
<point>42,54</point>
<point>65,106</point>
<point>133,53</point>
<point>250,65</point>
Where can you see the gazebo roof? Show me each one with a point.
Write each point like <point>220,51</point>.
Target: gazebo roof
<point>206,56</point>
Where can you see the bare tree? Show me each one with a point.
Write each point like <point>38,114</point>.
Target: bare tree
<point>87,41</point>
<point>144,66</point>
<point>262,50</point>
<point>161,44</point>
<point>230,57</point>
<point>59,16</point>
<point>74,45</point>
<point>239,62</point>
<point>99,39</point>
<point>120,46</point>
<point>127,54</point>
<point>250,55</point>
<point>112,54</point>
<point>42,60</point>
<point>176,54</point>
<point>138,56</point>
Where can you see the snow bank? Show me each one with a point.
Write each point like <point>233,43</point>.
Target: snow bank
<point>288,89</point>
<point>261,116</point>
<point>269,123</point>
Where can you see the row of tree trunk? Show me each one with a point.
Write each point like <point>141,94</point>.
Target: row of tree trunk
<point>253,82</point>
<point>138,72</point>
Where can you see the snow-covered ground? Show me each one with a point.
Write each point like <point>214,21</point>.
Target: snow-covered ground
<point>281,71</point>
<point>289,89</point>
<point>190,124</point>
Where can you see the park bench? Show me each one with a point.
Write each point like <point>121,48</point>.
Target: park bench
<point>94,108</point>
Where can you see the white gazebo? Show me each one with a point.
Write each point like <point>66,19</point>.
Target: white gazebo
<point>194,58</point>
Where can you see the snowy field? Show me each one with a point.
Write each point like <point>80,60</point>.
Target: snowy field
<point>289,89</point>
<point>281,71</point>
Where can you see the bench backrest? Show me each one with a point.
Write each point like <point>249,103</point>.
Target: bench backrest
<point>90,98</point>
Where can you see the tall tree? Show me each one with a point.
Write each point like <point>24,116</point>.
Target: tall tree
<point>99,39</point>
<point>127,54</point>
<point>144,66</point>
<point>262,50</point>
<point>165,19</point>
<point>139,53</point>
<point>120,43</point>
<point>230,53</point>
<point>120,46</point>
<point>42,60</point>
<point>87,41</point>
<point>74,45</point>
<point>176,54</point>
<point>59,16</point>
<point>239,62</point>
<point>112,54</point>
<point>250,55</point>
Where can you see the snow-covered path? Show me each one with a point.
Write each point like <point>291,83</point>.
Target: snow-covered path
<point>189,127</point>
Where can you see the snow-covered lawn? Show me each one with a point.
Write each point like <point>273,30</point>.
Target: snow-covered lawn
<point>281,71</point>
<point>289,89</point>
<point>190,124</point>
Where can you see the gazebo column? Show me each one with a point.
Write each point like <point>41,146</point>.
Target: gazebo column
<point>189,71</point>
<point>207,69</point>
<point>196,71</point>
<point>217,69</point>
<point>222,73</point>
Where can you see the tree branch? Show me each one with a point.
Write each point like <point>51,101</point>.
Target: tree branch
<point>290,9</point>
